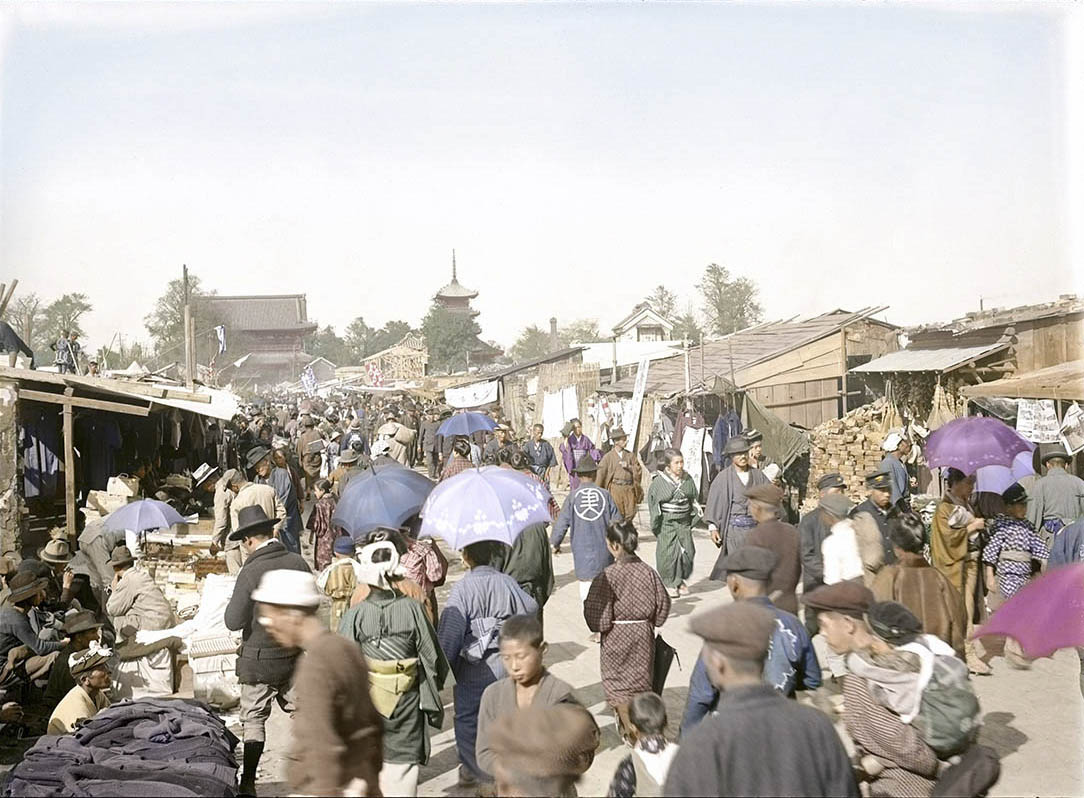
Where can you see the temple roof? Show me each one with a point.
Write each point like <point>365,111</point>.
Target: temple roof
<point>454,290</point>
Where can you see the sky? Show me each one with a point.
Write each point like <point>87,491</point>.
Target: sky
<point>574,155</point>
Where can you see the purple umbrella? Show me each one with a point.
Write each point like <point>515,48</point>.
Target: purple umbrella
<point>971,443</point>
<point>1045,615</point>
<point>489,503</point>
<point>143,515</point>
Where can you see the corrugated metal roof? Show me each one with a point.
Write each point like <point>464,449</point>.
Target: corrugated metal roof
<point>939,360</point>
<point>748,347</point>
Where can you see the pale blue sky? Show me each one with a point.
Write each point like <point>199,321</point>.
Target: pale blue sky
<point>575,155</point>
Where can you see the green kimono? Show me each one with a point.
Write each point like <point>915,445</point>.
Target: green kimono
<point>673,513</point>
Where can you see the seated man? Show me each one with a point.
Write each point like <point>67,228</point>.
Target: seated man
<point>87,698</point>
<point>136,604</point>
<point>21,650</point>
<point>84,632</point>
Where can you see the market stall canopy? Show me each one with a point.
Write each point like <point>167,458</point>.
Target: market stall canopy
<point>783,444</point>
<point>927,360</point>
<point>1063,381</point>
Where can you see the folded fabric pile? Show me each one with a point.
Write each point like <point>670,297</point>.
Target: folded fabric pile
<point>148,747</point>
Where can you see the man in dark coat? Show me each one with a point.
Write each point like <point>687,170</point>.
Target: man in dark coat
<point>729,522</point>
<point>264,668</point>
<point>429,444</point>
<point>877,503</point>
<point>765,505</point>
<point>814,527</point>
<point>760,743</point>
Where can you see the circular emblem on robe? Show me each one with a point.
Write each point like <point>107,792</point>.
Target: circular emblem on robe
<point>589,504</point>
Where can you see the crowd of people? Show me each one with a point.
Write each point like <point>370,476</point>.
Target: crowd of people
<point>352,640</point>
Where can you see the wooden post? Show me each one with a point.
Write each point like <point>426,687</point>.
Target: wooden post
<point>703,376</point>
<point>187,334</point>
<point>686,345</point>
<point>843,366</point>
<point>613,373</point>
<point>6,297</point>
<point>69,469</point>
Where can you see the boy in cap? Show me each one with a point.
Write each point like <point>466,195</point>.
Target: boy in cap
<point>905,764</point>
<point>756,446</point>
<point>586,513</point>
<point>264,667</point>
<point>876,505</point>
<point>337,731</point>
<point>792,663</point>
<point>543,750</point>
<point>90,669</point>
<point>759,743</point>
<point>340,578</point>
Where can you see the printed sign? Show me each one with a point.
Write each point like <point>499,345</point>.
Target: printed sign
<point>1037,420</point>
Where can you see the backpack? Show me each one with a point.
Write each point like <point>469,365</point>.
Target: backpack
<point>948,717</point>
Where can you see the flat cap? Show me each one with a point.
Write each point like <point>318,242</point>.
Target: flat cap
<point>893,622</point>
<point>832,480</point>
<point>740,630</point>
<point>837,504</point>
<point>752,562</point>
<point>879,480</point>
<point>767,493</point>
<point>546,741</point>
<point>736,445</point>
<point>846,598</point>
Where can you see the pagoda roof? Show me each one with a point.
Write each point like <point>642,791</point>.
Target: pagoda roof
<point>454,289</point>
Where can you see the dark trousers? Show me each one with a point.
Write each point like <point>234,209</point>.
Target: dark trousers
<point>432,460</point>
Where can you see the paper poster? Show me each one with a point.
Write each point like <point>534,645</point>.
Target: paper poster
<point>1037,420</point>
<point>480,393</point>
<point>1072,429</point>
<point>692,446</point>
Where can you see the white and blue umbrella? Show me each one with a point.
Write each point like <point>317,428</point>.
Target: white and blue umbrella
<point>489,503</point>
<point>139,516</point>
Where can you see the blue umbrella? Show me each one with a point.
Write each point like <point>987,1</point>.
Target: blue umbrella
<point>489,503</point>
<point>142,515</point>
<point>466,424</point>
<point>386,495</point>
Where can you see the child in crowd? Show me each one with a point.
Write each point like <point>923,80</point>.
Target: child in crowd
<point>643,772</point>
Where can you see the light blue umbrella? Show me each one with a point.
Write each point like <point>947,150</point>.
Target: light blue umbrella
<point>139,516</point>
<point>466,424</point>
<point>489,503</point>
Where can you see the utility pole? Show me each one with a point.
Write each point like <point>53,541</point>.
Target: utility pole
<point>685,343</point>
<point>189,348</point>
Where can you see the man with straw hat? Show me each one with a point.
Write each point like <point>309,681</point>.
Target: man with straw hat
<point>90,669</point>
<point>337,731</point>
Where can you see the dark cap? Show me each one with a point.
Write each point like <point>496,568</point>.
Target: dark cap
<point>86,660</point>
<point>741,630</point>
<point>879,480</point>
<point>1057,451</point>
<point>846,598</point>
<point>893,622</point>
<point>837,504</point>
<point>256,455</point>
<point>736,445</point>
<point>832,480</point>
<point>546,741</point>
<point>252,520</point>
<point>585,466</point>
<point>752,562</point>
<point>768,493</point>
<point>1015,494</point>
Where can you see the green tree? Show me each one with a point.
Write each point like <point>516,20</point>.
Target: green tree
<point>663,301</point>
<point>64,314</point>
<point>533,342</point>
<point>579,331</point>
<point>449,336</point>
<point>729,303</point>
<point>687,325</point>
<point>166,322</point>
<point>388,336</point>
<point>325,342</point>
<point>358,339</point>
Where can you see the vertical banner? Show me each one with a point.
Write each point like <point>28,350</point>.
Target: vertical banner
<point>308,380</point>
<point>637,402</point>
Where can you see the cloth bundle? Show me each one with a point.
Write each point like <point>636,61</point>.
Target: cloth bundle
<point>149,747</point>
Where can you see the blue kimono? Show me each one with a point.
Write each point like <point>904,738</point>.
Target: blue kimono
<point>290,534</point>
<point>469,634</point>
<point>585,515</point>
<point>901,480</point>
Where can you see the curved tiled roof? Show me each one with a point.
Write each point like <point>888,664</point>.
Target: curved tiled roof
<point>454,290</point>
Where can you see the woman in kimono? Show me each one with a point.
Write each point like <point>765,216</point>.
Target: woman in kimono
<point>955,549</point>
<point>321,534</point>
<point>469,632</point>
<point>407,667</point>
<point>575,447</point>
<point>672,503</point>
<point>625,604</point>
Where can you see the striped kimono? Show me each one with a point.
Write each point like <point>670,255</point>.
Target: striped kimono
<point>469,632</point>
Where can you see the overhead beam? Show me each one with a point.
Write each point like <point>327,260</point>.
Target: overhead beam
<point>80,401</point>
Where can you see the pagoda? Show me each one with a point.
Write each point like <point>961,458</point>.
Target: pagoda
<point>456,298</point>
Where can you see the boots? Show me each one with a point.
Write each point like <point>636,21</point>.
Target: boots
<point>252,753</point>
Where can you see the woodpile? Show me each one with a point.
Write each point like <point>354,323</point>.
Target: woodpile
<point>850,445</point>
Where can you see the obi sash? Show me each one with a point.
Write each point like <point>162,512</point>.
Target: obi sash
<point>389,680</point>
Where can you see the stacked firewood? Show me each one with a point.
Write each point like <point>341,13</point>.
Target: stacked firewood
<point>851,446</point>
